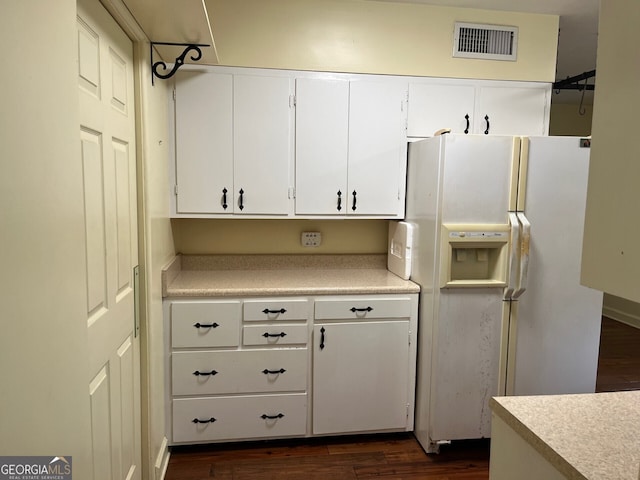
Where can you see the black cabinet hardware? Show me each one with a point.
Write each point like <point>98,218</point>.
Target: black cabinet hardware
<point>267,311</point>
<point>266,371</point>
<point>197,420</point>
<point>224,198</point>
<point>367,309</point>
<point>466,117</point>
<point>241,200</point>
<point>264,416</point>
<point>486,119</point>
<point>339,207</point>
<point>322,338</point>
<point>353,207</point>
<point>205,325</point>
<point>198,373</point>
<point>267,334</point>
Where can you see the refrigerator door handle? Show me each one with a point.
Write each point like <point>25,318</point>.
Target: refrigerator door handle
<point>514,254</point>
<point>525,242</point>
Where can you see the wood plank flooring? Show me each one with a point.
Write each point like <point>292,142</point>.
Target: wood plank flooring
<point>391,457</point>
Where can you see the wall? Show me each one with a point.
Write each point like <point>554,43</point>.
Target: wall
<point>279,236</point>
<point>44,404</point>
<point>373,37</point>
<point>565,120</point>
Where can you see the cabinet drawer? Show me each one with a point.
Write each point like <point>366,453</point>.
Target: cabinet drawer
<point>275,334</point>
<point>362,307</point>
<point>269,310</point>
<point>239,417</point>
<point>205,324</point>
<point>248,371</point>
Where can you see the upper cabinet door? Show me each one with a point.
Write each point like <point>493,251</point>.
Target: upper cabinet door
<point>377,148</point>
<point>505,110</point>
<point>204,141</point>
<point>322,130</point>
<point>433,107</point>
<point>262,141</point>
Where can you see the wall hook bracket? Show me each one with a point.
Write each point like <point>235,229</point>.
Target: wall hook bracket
<point>188,47</point>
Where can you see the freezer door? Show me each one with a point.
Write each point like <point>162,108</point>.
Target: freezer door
<point>466,359</point>
<point>558,324</point>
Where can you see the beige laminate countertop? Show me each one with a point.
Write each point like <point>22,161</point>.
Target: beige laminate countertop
<point>592,436</point>
<point>261,275</point>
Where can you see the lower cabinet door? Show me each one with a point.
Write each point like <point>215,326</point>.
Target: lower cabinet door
<point>360,376</point>
<point>243,417</point>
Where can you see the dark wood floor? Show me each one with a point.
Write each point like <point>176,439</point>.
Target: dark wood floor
<point>392,457</point>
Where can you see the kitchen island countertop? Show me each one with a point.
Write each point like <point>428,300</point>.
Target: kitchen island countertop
<point>261,275</point>
<point>593,436</point>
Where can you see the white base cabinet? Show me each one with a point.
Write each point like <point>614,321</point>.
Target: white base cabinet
<point>241,369</point>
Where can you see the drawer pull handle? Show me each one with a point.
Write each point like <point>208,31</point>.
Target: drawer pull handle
<point>354,309</point>
<point>197,420</point>
<point>267,334</point>
<point>264,416</point>
<point>273,372</point>
<point>204,325</point>
<point>197,373</point>
<point>322,330</point>
<point>267,311</point>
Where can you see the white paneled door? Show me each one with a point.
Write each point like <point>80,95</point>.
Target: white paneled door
<point>107,139</point>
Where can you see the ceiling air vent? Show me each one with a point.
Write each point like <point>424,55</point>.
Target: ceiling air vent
<point>489,42</point>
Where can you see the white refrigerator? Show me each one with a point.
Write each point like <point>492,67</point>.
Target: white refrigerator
<point>497,238</point>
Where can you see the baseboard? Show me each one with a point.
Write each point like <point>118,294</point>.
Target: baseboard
<point>620,316</point>
<point>162,460</point>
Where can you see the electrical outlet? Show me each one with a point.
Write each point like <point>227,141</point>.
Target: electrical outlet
<point>311,239</point>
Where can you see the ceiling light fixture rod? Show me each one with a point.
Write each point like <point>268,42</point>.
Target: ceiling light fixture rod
<point>195,56</point>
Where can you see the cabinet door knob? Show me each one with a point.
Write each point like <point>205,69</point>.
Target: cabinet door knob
<point>466,117</point>
<point>486,119</point>
<point>353,207</point>
<point>224,198</point>
<point>322,330</point>
<point>339,207</point>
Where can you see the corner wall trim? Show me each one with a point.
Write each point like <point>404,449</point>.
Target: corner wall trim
<point>162,460</point>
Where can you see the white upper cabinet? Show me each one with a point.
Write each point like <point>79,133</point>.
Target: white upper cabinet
<point>322,136</point>
<point>204,142</point>
<point>453,103</point>
<point>510,111</point>
<point>262,142</point>
<point>350,147</point>
<point>234,142</point>
<point>479,107</point>
<point>377,148</point>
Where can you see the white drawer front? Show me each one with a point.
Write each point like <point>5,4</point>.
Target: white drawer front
<point>248,371</point>
<point>275,334</point>
<point>205,324</point>
<point>390,307</point>
<point>239,417</point>
<point>278,310</point>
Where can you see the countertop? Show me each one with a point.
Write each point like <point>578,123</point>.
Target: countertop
<point>592,436</point>
<point>262,275</point>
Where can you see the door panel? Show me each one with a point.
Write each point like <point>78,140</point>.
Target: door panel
<point>107,140</point>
